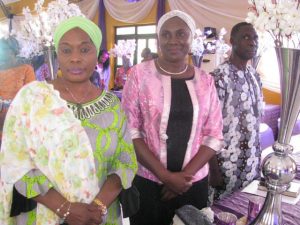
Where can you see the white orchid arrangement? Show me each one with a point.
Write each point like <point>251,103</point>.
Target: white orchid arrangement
<point>221,46</point>
<point>36,30</point>
<point>123,48</point>
<point>281,19</point>
<point>200,44</point>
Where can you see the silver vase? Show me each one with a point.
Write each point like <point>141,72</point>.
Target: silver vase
<point>49,54</point>
<point>279,168</point>
<point>197,60</point>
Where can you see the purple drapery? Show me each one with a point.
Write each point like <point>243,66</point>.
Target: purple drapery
<point>161,8</point>
<point>102,24</point>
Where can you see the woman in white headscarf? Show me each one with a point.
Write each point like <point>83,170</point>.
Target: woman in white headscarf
<point>175,123</point>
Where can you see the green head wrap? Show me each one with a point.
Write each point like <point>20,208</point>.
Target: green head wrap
<point>83,23</point>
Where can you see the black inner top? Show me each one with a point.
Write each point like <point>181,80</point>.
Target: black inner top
<point>179,125</point>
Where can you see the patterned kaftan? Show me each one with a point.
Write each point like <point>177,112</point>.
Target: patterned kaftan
<point>106,127</point>
<point>242,103</point>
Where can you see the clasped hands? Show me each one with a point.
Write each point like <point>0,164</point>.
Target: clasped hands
<point>176,183</point>
<point>84,214</point>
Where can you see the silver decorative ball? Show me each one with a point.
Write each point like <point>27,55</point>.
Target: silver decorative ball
<point>279,169</point>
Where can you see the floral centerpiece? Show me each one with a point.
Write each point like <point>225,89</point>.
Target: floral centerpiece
<point>221,46</point>
<point>123,49</point>
<point>201,46</point>
<point>198,45</point>
<point>281,19</point>
<point>36,30</point>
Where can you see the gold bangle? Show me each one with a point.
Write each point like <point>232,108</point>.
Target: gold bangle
<point>102,207</point>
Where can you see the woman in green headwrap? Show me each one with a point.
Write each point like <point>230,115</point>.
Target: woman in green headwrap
<point>66,152</point>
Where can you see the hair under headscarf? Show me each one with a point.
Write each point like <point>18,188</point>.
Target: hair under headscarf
<point>78,22</point>
<point>182,15</point>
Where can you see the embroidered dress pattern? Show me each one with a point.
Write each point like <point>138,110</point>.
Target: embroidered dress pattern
<point>102,125</point>
<point>242,105</point>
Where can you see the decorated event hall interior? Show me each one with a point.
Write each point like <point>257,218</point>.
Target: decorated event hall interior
<point>132,36</point>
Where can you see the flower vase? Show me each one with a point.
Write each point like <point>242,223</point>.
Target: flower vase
<point>197,60</point>
<point>49,55</point>
<point>279,169</point>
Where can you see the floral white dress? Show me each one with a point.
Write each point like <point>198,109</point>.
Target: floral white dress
<point>48,142</point>
<point>242,105</point>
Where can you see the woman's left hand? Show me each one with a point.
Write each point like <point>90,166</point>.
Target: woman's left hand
<point>95,211</point>
<point>178,182</point>
<point>167,194</point>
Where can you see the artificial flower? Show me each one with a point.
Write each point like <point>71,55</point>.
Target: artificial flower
<point>200,44</point>
<point>36,30</point>
<point>281,19</point>
<point>123,48</point>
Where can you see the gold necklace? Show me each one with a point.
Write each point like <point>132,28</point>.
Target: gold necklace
<point>75,99</point>
<point>172,73</point>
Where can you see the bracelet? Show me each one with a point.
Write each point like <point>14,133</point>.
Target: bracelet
<point>67,212</point>
<point>102,207</point>
<point>65,215</point>
<point>61,206</point>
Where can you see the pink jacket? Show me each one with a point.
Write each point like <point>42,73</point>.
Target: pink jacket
<point>146,100</point>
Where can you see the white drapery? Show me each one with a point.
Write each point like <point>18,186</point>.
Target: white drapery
<point>89,8</point>
<point>216,13</point>
<point>127,12</point>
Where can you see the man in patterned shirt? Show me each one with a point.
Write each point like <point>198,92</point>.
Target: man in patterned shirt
<point>239,90</point>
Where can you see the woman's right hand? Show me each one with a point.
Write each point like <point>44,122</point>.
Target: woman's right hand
<point>83,214</point>
<point>178,182</point>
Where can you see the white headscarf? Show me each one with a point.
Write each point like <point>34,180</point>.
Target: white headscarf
<point>182,15</point>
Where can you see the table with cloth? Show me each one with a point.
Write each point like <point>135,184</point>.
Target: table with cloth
<point>237,202</point>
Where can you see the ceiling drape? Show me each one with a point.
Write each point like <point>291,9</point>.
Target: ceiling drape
<point>216,13</point>
<point>88,7</point>
<point>207,13</point>
<point>129,12</point>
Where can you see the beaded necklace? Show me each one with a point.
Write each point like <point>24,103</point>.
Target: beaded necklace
<point>172,73</point>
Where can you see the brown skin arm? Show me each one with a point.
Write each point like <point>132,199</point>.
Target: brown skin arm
<point>80,214</point>
<point>110,190</point>
<point>177,182</point>
<point>200,159</point>
<point>203,156</point>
